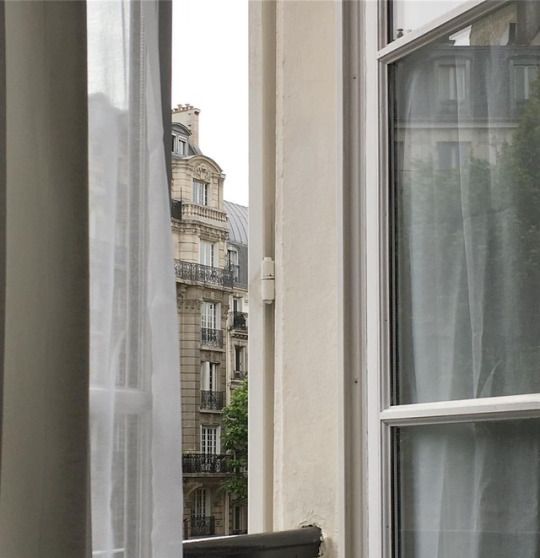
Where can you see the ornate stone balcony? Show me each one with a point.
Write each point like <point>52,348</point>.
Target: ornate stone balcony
<point>203,213</point>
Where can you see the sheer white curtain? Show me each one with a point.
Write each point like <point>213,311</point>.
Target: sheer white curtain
<point>135,392</point>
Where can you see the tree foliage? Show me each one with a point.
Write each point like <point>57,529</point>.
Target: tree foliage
<point>235,441</point>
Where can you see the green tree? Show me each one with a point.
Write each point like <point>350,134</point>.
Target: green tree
<point>235,441</point>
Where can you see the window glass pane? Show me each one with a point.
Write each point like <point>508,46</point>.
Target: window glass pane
<point>466,208</point>
<point>408,15</point>
<point>467,490</point>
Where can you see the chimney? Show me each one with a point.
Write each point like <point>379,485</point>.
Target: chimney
<point>188,115</point>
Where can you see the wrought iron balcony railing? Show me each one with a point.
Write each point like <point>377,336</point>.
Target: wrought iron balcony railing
<point>212,400</point>
<point>240,320</point>
<point>206,463</point>
<point>297,543</point>
<point>211,337</point>
<point>202,526</point>
<point>204,274</point>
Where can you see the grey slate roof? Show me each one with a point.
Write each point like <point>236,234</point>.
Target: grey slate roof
<point>238,222</point>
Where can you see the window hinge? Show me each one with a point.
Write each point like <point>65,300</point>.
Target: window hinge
<point>268,280</point>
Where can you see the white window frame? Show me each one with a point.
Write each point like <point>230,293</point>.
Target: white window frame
<point>179,144</point>
<point>373,489</point>
<point>452,94</point>
<point>211,315</point>
<point>200,192</point>
<point>182,146</point>
<point>528,64</point>
<point>207,253</point>
<point>209,376</point>
<point>210,439</point>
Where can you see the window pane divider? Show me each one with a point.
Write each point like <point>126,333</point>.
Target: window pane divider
<point>458,17</point>
<point>489,408</point>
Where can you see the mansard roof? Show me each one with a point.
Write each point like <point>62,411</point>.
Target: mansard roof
<point>238,222</point>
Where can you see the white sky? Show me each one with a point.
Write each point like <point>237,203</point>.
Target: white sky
<point>210,71</point>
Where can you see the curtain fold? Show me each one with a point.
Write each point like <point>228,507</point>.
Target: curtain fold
<point>135,392</point>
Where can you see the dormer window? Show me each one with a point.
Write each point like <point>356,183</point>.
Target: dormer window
<point>200,192</point>
<point>179,145</point>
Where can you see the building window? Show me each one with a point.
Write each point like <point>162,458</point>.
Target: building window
<point>210,315</point>
<point>179,145</point>
<point>201,505</point>
<point>207,252</point>
<point>239,519</point>
<point>452,82</point>
<point>232,257</point>
<point>237,304</point>
<point>524,77</point>
<point>454,382</point>
<point>209,376</point>
<point>239,358</point>
<point>200,192</point>
<point>210,440</point>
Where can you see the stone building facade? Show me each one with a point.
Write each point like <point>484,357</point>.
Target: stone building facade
<point>211,273</point>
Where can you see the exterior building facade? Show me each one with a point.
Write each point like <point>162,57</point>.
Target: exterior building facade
<point>210,263</point>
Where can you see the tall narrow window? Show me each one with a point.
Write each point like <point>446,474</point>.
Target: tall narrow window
<point>200,192</point>
<point>452,82</point>
<point>207,252</point>
<point>210,440</point>
<point>209,376</point>
<point>210,315</point>
<point>201,505</point>
<point>524,77</point>
<point>239,358</point>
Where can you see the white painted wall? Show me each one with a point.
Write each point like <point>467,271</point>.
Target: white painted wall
<point>307,480</point>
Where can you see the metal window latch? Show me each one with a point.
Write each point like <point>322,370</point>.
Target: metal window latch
<point>268,280</point>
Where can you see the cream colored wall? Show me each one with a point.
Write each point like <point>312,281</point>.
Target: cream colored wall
<point>184,171</point>
<point>307,479</point>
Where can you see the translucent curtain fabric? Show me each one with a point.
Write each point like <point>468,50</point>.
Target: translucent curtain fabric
<point>136,472</point>
<point>467,285</point>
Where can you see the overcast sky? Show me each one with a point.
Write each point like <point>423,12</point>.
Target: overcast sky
<point>210,71</point>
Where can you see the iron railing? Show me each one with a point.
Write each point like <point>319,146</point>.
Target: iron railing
<point>212,337</point>
<point>212,400</point>
<point>204,274</point>
<point>297,543</point>
<point>202,526</point>
<point>206,463</point>
<point>240,320</point>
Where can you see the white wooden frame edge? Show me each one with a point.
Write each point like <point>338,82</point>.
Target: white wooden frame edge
<point>381,415</point>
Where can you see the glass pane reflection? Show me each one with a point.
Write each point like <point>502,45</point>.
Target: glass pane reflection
<point>467,490</point>
<point>466,168</point>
